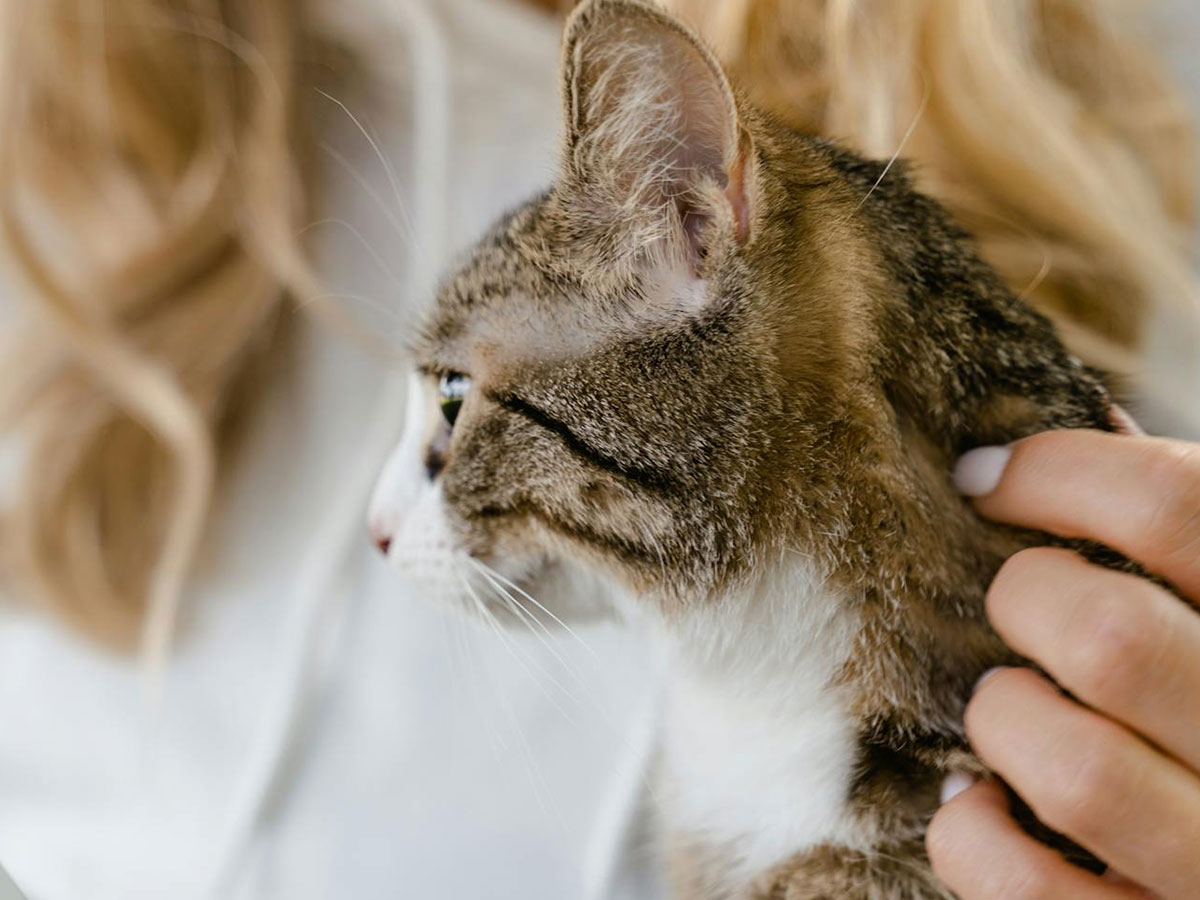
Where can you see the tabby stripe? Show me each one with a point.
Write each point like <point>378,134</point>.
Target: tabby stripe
<point>653,480</point>
<point>630,551</point>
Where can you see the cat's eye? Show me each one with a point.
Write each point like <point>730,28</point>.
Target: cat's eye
<point>452,390</point>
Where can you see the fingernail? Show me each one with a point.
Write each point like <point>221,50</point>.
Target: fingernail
<point>955,784</point>
<point>979,470</point>
<point>986,675</point>
<point>1123,421</point>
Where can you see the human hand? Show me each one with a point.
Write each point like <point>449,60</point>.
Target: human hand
<point>1119,770</point>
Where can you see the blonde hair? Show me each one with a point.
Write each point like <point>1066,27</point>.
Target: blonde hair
<point>153,194</point>
<point>1044,125</point>
<point>150,198</point>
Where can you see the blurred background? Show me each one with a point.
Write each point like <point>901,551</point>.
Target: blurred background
<point>220,222</point>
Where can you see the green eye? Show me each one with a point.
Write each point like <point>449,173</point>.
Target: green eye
<point>452,390</point>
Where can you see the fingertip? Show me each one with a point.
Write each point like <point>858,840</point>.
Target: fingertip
<point>1123,422</point>
<point>952,833</point>
<point>954,784</point>
<point>987,676</point>
<point>979,471</point>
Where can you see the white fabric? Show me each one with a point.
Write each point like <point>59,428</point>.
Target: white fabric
<point>433,759</point>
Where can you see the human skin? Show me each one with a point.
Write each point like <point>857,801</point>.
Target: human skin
<point>1117,770</point>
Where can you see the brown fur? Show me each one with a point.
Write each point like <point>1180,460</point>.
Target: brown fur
<point>850,346</point>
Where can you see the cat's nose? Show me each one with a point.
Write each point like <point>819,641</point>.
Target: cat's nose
<point>380,538</point>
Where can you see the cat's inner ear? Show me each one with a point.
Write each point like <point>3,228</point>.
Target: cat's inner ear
<point>653,137</point>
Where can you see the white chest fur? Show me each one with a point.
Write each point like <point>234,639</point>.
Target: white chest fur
<point>758,745</point>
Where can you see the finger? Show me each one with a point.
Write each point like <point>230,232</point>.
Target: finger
<point>1089,778</point>
<point>1139,495</point>
<point>981,854</point>
<point>1114,877</point>
<point>1116,641</point>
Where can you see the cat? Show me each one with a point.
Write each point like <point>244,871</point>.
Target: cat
<point>719,374</point>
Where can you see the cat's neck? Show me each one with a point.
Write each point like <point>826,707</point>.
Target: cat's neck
<point>759,744</point>
<point>786,620</point>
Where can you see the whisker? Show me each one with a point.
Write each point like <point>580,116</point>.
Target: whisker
<point>526,617</point>
<point>448,646</point>
<point>912,127</point>
<point>366,245</point>
<point>547,641</point>
<point>464,641</point>
<point>402,226</point>
<point>523,659</point>
<point>542,791</point>
<point>393,182</point>
<point>488,571</point>
<point>605,717</point>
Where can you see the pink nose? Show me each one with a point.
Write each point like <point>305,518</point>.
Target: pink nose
<point>380,533</point>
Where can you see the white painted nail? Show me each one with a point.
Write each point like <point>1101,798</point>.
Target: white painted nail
<point>986,675</point>
<point>954,784</point>
<point>979,470</point>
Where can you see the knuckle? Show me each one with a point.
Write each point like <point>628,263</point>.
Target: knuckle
<point>1174,523</point>
<point>1017,569</point>
<point>1007,588</point>
<point>1087,792</point>
<point>1021,585</point>
<point>980,714</point>
<point>1021,571</point>
<point>993,704</point>
<point>1112,649</point>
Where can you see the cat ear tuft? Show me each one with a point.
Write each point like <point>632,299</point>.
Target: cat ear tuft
<point>653,138</point>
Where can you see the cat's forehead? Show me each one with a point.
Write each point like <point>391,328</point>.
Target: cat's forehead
<point>524,292</point>
<point>512,264</point>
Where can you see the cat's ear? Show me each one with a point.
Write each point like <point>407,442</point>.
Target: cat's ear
<point>653,137</point>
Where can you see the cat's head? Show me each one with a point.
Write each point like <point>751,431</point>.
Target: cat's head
<point>627,376</point>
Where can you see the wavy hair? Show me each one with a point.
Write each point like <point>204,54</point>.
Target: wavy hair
<point>153,190</point>
<point>151,193</point>
<point>1045,126</point>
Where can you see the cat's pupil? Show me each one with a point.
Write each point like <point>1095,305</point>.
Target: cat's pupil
<point>452,389</point>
